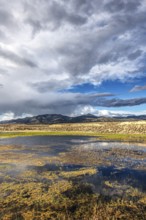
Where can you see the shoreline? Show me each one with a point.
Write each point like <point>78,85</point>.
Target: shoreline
<point>140,138</point>
<point>108,131</point>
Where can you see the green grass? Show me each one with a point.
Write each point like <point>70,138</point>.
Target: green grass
<point>124,137</point>
<point>110,137</point>
<point>44,133</point>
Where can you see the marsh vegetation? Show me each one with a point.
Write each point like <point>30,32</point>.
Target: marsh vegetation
<point>71,178</point>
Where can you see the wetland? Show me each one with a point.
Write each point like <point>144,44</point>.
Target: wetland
<point>71,177</point>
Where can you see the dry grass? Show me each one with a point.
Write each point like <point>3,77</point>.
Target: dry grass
<point>121,131</point>
<point>138,127</point>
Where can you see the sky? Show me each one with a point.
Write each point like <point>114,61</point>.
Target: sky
<point>72,57</point>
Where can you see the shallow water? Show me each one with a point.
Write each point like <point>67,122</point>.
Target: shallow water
<point>113,169</point>
<point>71,153</point>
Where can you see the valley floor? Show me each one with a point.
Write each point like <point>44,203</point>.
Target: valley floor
<point>121,131</point>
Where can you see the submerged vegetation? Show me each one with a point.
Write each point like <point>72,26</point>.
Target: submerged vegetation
<point>65,200</point>
<point>68,195</point>
<point>72,179</point>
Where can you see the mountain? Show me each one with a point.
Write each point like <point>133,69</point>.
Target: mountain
<point>41,119</point>
<point>140,117</point>
<point>58,118</point>
<point>131,118</point>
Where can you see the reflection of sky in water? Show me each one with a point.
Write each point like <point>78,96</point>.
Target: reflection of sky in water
<point>53,145</point>
<point>99,145</point>
<point>63,142</point>
<point>43,140</point>
<point>115,165</point>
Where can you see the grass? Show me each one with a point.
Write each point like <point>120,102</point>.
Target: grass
<point>124,137</point>
<point>78,173</point>
<point>117,131</point>
<point>66,199</point>
<point>107,136</point>
<point>43,133</point>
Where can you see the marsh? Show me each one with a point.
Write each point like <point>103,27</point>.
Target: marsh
<point>71,177</point>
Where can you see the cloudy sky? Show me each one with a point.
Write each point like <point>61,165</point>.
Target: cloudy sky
<point>72,57</point>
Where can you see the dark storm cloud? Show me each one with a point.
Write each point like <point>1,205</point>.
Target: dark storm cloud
<point>51,14</point>
<point>97,48</point>
<point>8,21</point>
<point>126,5</point>
<point>135,55</point>
<point>85,7</point>
<point>67,104</point>
<point>6,18</point>
<point>58,103</point>
<point>138,88</point>
<point>46,86</point>
<point>121,102</point>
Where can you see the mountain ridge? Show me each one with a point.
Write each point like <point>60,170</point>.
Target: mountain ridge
<point>59,118</point>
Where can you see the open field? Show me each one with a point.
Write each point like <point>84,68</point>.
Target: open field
<point>121,131</point>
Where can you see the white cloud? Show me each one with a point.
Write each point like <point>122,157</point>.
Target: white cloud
<point>104,112</point>
<point>7,116</point>
<point>83,110</point>
<point>108,113</point>
<point>10,115</point>
<point>48,46</point>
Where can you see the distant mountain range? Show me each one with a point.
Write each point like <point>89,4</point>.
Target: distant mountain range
<point>58,118</point>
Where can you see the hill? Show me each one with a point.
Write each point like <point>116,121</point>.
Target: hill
<point>58,118</point>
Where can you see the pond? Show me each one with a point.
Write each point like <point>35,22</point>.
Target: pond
<point>71,177</point>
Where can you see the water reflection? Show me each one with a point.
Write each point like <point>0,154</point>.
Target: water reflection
<point>68,167</point>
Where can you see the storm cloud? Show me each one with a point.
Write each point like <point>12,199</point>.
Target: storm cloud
<point>122,102</point>
<point>48,47</point>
